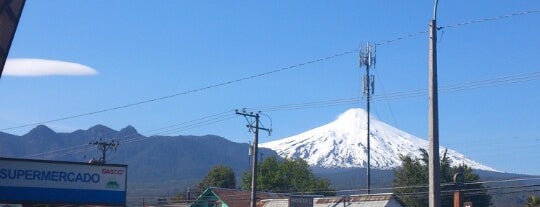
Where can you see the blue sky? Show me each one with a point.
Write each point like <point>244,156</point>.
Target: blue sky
<point>140,51</point>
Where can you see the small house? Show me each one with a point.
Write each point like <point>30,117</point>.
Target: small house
<point>223,197</point>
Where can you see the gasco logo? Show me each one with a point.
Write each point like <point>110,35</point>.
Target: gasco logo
<point>112,171</point>
<point>112,185</point>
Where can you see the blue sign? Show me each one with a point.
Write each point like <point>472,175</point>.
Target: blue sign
<point>51,182</point>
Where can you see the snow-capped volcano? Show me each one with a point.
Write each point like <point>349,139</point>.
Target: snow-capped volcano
<point>342,143</point>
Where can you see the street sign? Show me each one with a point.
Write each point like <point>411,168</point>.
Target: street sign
<point>300,201</point>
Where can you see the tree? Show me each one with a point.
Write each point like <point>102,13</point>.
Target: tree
<point>287,176</point>
<point>411,182</point>
<point>219,176</point>
<point>532,201</point>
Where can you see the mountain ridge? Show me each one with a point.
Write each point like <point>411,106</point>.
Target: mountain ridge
<point>166,165</point>
<point>192,155</point>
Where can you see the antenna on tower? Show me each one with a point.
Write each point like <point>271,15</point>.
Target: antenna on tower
<point>367,59</point>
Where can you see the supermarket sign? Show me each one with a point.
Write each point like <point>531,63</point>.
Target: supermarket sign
<point>28,181</point>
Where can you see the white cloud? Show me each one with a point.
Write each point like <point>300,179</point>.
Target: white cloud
<point>41,67</point>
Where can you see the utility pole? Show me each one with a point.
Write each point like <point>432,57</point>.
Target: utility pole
<point>367,59</point>
<point>433,126</point>
<point>104,147</point>
<point>250,154</point>
<point>255,147</point>
<point>188,194</point>
<point>459,182</point>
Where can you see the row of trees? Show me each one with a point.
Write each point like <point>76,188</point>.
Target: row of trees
<point>410,180</point>
<point>288,175</point>
<point>279,176</point>
<point>413,173</point>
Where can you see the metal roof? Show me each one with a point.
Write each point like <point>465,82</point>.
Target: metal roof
<point>371,200</point>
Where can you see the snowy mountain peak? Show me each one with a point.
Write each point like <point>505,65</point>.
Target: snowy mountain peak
<point>343,143</point>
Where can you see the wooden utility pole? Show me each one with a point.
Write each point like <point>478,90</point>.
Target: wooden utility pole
<point>434,161</point>
<point>104,147</point>
<point>255,128</point>
<point>459,182</point>
<point>458,198</point>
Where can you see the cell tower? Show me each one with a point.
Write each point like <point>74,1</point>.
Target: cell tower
<point>367,60</point>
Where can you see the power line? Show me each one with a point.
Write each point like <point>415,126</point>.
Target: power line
<point>491,18</point>
<point>325,103</point>
<point>476,21</point>
<point>452,184</point>
<point>478,191</point>
<point>426,186</point>
<point>226,115</point>
<point>447,193</point>
<point>511,79</point>
<point>494,190</point>
<point>387,102</point>
<point>187,92</point>
<point>290,67</point>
